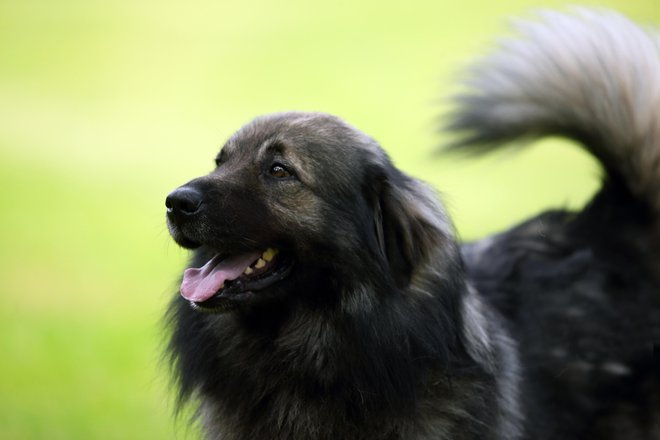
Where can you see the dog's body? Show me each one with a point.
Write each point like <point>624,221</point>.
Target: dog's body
<point>339,305</point>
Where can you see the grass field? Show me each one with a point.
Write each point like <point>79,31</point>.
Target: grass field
<point>107,106</point>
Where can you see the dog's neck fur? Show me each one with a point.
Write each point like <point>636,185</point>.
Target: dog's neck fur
<point>382,368</point>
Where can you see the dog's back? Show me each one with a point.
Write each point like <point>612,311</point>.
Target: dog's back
<point>581,290</point>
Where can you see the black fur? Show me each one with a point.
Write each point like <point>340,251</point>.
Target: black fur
<point>386,328</point>
<point>366,333</point>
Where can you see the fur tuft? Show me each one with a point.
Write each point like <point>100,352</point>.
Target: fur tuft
<point>591,76</point>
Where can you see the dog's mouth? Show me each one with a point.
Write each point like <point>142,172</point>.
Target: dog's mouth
<point>226,280</point>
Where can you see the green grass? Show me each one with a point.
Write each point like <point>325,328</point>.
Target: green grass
<point>107,106</point>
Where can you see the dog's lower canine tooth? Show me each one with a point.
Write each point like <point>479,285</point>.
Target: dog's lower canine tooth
<point>260,263</point>
<point>248,270</point>
<point>269,254</point>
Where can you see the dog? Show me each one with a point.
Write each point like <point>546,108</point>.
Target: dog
<point>328,297</point>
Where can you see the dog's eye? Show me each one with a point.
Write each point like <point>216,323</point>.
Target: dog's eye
<point>279,171</point>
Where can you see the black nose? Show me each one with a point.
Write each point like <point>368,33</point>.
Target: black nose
<point>183,201</point>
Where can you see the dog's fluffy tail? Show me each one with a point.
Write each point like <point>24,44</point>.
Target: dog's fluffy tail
<point>593,76</point>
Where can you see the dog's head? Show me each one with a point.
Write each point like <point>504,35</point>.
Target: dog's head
<point>298,200</point>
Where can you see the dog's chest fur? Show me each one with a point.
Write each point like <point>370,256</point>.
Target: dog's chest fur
<point>317,381</point>
<point>290,417</point>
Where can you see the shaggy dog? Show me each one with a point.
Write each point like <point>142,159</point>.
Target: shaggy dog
<point>327,296</point>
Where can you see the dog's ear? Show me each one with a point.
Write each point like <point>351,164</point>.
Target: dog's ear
<point>410,225</point>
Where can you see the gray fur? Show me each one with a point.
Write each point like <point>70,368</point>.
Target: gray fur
<point>375,334</point>
<point>590,75</point>
<point>384,327</point>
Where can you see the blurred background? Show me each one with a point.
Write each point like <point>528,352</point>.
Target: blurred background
<point>106,106</point>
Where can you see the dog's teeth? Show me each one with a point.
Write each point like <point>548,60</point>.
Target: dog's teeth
<point>269,254</point>
<point>222,286</point>
<point>248,270</point>
<point>260,263</point>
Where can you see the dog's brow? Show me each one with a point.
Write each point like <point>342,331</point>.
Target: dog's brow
<point>272,146</point>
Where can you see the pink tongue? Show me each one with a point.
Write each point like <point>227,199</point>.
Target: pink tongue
<point>201,284</point>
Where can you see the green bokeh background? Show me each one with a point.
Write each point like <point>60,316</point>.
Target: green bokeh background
<point>105,106</point>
